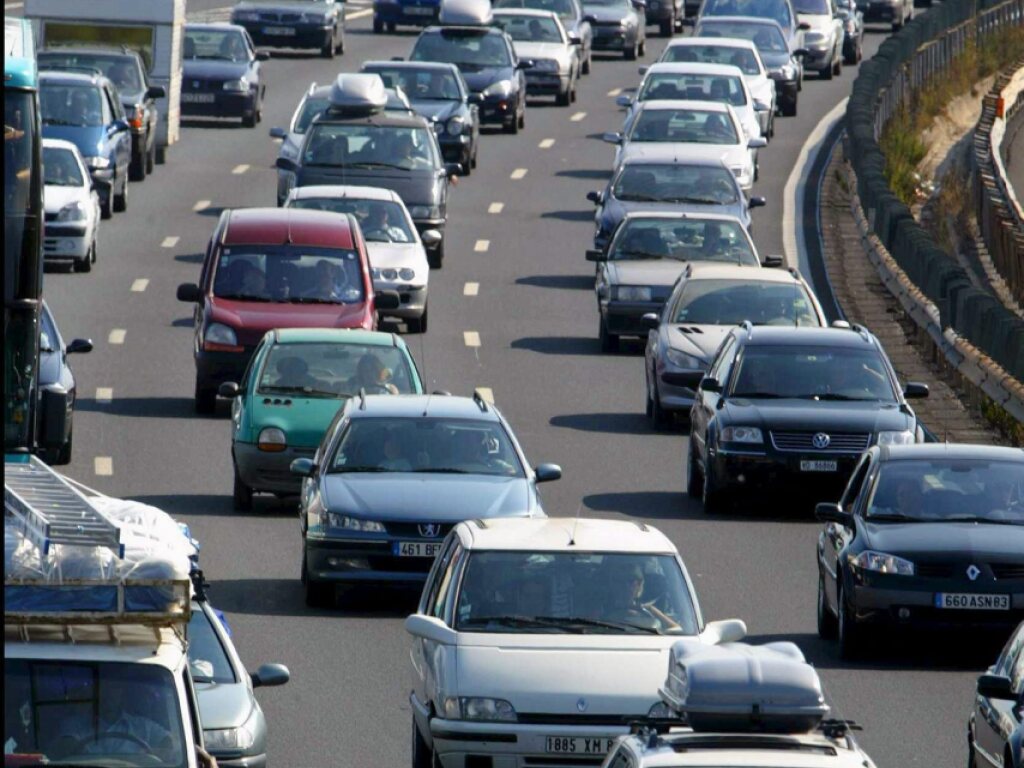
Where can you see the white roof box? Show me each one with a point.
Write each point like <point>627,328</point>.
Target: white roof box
<point>358,93</point>
<point>475,13</point>
<point>738,687</point>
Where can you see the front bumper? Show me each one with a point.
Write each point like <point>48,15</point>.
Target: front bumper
<point>214,368</point>
<point>412,14</point>
<point>422,225</point>
<point>265,471</point>
<point>818,59</point>
<point>499,110</point>
<point>546,83</point>
<point>456,149</point>
<point>785,90</point>
<point>248,761</point>
<point>223,104</point>
<point>413,299</point>
<point>364,558</point>
<point>879,11</point>
<point>677,388</point>
<point>748,469</point>
<point>613,38</point>
<point>622,318</point>
<point>270,33</point>
<point>66,241</point>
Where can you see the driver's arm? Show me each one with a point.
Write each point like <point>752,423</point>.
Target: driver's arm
<point>666,621</point>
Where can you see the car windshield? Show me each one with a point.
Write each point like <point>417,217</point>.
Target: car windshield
<point>725,89</point>
<point>206,655</point>
<point>122,71</point>
<point>61,169</point>
<point>813,7</point>
<point>311,107</point>
<point>369,146</point>
<point>469,52</point>
<point>381,221</point>
<point>565,9</point>
<point>421,84</point>
<point>74,105</point>
<point>941,489</point>
<point>689,126</point>
<point>812,372</point>
<point>578,592</point>
<point>776,10</point>
<point>336,369</point>
<point>709,53</point>
<point>73,712</point>
<point>730,302</point>
<point>676,183</point>
<point>625,4</point>
<point>767,37</point>
<point>684,240</point>
<point>529,29</point>
<point>297,274</point>
<point>223,44</point>
<point>426,445</point>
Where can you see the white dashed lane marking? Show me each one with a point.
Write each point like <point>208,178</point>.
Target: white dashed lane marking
<point>495,207</point>
<point>472,338</point>
<point>117,336</point>
<point>169,242</point>
<point>487,394</point>
<point>140,285</point>
<point>238,170</point>
<point>614,92</point>
<point>547,144</point>
<point>471,289</point>
<point>358,14</point>
<point>201,205</point>
<point>104,394</point>
<point>518,173</point>
<point>578,116</point>
<point>103,466</point>
<point>482,246</point>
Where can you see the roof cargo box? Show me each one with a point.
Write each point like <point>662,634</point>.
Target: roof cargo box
<point>476,13</point>
<point>738,687</point>
<point>358,93</point>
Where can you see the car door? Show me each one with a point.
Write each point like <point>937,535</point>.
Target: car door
<point>835,538</point>
<point>704,403</point>
<point>995,720</point>
<point>253,71</point>
<point>117,124</point>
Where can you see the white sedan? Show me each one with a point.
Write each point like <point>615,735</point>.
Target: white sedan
<point>72,206</point>
<point>398,261</point>
<point>538,640</point>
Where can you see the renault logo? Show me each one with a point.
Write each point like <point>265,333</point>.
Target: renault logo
<point>195,83</point>
<point>821,441</point>
<point>581,705</point>
<point>429,530</point>
<point>973,572</point>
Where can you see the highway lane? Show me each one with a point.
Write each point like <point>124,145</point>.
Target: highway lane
<point>536,319</point>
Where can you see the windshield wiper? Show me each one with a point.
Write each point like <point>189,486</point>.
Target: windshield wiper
<point>301,391</point>
<point>340,470</point>
<point>762,395</point>
<point>975,519</point>
<point>310,300</point>
<point>243,297</point>
<point>642,199</point>
<point>640,254</point>
<point>702,200</point>
<point>443,471</point>
<point>519,621</point>
<point>623,626</point>
<point>49,121</point>
<point>375,164</point>
<point>895,517</point>
<point>838,398</point>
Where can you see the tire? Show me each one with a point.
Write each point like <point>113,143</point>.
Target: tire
<point>435,256</point>
<point>205,400</point>
<point>85,265</point>
<point>121,201</point>
<point>137,168</point>
<point>668,27</point>
<point>327,52</point>
<point>391,27</point>
<point>838,67</point>
<point>161,155</point>
<point>319,594</point>
<point>151,158</point>
<point>64,452</point>
<point>341,43</point>
<point>587,64</point>
<point>107,207</point>
<point>641,48</point>
<point>564,99</point>
<point>660,418</point>
<point>630,54</point>
<point>249,121</point>
<point>422,756</point>
<point>713,497</point>
<point>694,480</point>
<point>472,162</point>
<point>522,117</point>
<point>419,324</point>
<point>241,496</point>
<point>378,27</point>
<point>609,342</point>
<point>827,625</point>
<point>572,93</point>
<point>789,108</point>
<point>512,128</point>
<point>827,72</point>
<point>851,637</point>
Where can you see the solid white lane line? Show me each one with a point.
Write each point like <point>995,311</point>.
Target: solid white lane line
<point>103,465</point>
<point>201,205</point>
<point>472,338</point>
<point>104,394</point>
<point>487,394</point>
<point>518,173</point>
<point>495,207</point>
<point>238,170</point>
<point>615,92</point>
<point>578,116</point>
<point>358,14</point>
<point>547,144</point>
<point>117,336</point>
<point>471,289</point>
<point>140,285</point>
<point>482,246</point>
<point>170,242</point>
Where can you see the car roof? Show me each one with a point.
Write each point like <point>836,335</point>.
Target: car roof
<point>60,144</point>
<point>215,26</point>
<point>682,748</point>
<point>87,50</point>
<point>950,451</point>
<point>677,153</point>
<point>440,66</point>
<point>565,534</point>
<point>67,78</point>
<point>291,226</point>
<point>705,270</point>
<point>334,335</point>
<point>706,106</point>
<point>806,336</point>
<point>424,406</point>
<point>670,214</point>
<point>694,68</point>
<point>727,42</point>
<point>745,19</point>
<point>343,191</point>
<point>534,12</point>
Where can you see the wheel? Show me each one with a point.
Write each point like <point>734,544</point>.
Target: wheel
<point>242,495</point>
<point>642,47</point>
<point>319,594</point>
<point>587,63</point>
<point>205,400</point>
<point>512,127</point>
<point>472,162</point>
<point>121,201</point>
<point>826,619</point>
<point>789,108</point>
<point>694,481</point>
<point>668,26</point>
<point>107,206</point>
<point>137,168</point>
<point>161,155</point>
<point>378,27</point>
<point>435,256</point>
<point>851,637</point>
<point>85,265</point>
<point>629,54</point>
<point>418,324</point>
<point>151,158</point>
<point>522,118</point>
<point>660,418</point>
<point>64,452</point>
<point>391,27</point>
<point>341,43</point>
<point>713,497</point>
<point>572,93</point>
<point>250,120</point>
<point>422,756</point>
<point>609,342</point>
<point>838,66</point>
<point>327,51</point>
<point>827,72</point>
<point>564,99</point>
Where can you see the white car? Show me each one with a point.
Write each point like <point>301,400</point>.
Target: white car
<point>739,53</point>
<point>314,101</point>
<point>398,261</point>
<point>539,36</point>
<point>660,128</point>
<point>823,41</point>
<point>72,206</point>
<point>537,640</point>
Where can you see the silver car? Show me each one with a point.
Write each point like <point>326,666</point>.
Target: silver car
<point>540,38</point>
<point>823,39</point>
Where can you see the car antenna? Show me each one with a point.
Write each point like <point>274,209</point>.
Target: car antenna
<point>575,522</point>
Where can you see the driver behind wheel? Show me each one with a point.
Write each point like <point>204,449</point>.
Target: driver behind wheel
<point>373,376</point>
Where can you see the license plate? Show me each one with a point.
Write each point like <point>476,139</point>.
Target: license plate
<point>198,98</point>
<point>967,602</point>
<point>414,11</point>
<point>279,31</point>
<point>578,745</point>
<point>819,466</point>
<point>416,548</point>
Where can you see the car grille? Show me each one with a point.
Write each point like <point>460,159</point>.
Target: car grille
<point>1004,571</point>
<point>559,718</point>
<point>192,85</point>
<point>1001,571</point>
<point>412,530</point>
<point>51,216</point>
<point>804,441</point>
<point>606,26</point>
<point>286,18</point>
<point>933,570</point>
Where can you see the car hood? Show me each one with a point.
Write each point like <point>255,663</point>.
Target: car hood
<point>819,23</point>
<point>303,419</point>
<point>398,255</point>
<point>616,209</point>
<point>289,7</point>
<point>212,69</point>
<point>55,198</point>
<point>775,59</point>
<point>981,541</point>
<point>556,51</point>
<point>414,187</point>
<point>601,13</point>
<point>812,416</point>
<point>432,109</point>
<point>592,674</point>
<point>479,78</point>
<point>437,498</point>
<point>90,140</point>
<point>223,705</point>
<point>253,319</point>
<point>699,340</point>
<point>662,272</point>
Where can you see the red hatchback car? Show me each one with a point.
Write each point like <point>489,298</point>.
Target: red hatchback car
<point>275,268</point>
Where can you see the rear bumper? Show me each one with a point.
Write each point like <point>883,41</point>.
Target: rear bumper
<point>223,105</point>
<point>305,35</point>
<point>880,11</point>
<point>412,14</point>
<point>546,83</point>
<point>264,471</point>
<point>622,318</point>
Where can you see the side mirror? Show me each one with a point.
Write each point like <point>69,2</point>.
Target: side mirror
<point>624,100</point>
<point>430,628</point>
<point>452,169</point>
<point>757,202</point>
<point>189,292</point>
<point>758,142</point>
<point>269,675</point>
<point>475,98</point>
<point>650,321</point>
<point>612,137</point>
<point>575,39</point>
<point>545,473</point>
<point>230,390</point>
<point>915,390</point>
<point>525,64</point>
<point>79,347</point>
<point>594,254</point>
<point>800,53</point>
<point>760,106</point>
<point>594,196</point>
<point>829,512</point>
<point>430,237</point>
<point>286,164</point>
<point>995,687</point>
<point>262,55</point>
<point>302,467</point>
<point>642,70</point>
<point>803,26</point>
<point>710,384</point>
<point>278,133</point>
<point>397,58</point>
<point>119,126</point>
<point>774,261</point>
<point>384,300</point>
<point>726,631</point>
<point>156,92</point>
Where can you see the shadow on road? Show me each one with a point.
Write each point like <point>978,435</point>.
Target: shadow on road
<point>569,215</point>
<point>286,597</point>
<point>152,407</point>
<point>559,282</point>
<point>612,423</point>
<point>583,173</point>
<point>559,345</point>
<point>676,505</point>
<point>214,505</point>
<point>190,258</point>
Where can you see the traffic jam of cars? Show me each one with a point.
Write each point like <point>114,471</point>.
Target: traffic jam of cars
<point>543,635</point>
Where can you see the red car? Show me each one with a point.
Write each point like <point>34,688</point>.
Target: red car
<point>276,268</point>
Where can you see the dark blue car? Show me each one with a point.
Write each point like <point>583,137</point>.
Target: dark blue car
<point>294,23</point>
<point>86,110</point>
<point>415,13</point>
<point>221,73</point>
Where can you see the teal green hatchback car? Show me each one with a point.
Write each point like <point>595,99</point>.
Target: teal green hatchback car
<point>294,384</point>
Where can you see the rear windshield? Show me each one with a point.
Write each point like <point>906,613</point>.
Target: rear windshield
<point>813,7</point>
<point>670,85</point>
<point>367,146</point>
<point>693,126</point>
<point>691,184</point>
<point>744,58</point>
<point>469,52</point>
<point>335,369</point>
<point>730,302</point>
<point>776,10</point>
<point>526,29</point>
<point>422,84</point>
<point>683,239</point>
<point>289,274</point>
<point>767,37</point>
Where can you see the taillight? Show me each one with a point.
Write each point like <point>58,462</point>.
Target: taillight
<point>138,119</point>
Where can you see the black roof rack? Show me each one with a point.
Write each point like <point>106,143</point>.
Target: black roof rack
<point>479,400</point>
<point>362,398</point>
<point>442,392</point>
<point>837,729</point>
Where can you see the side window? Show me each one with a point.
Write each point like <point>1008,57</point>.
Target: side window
<point>434,578</point>
<point>108,110</point>
<point>723,363</point>
<point>853,487</point>
<point>622,758</point>
<point>445,580</point>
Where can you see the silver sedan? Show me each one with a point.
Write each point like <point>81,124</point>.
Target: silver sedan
<point>539,38</point>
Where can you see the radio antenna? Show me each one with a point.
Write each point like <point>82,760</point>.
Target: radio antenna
<point>575,522</point>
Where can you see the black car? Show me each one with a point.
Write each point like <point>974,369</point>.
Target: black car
<point>619,25</point>
<point>488,62</point>
<point>57,390</point>
<point>439,93</point>
<point>125,69</point>
<point>793,409</point>
<point>926,536</point>
<point>669,14</point>
<point>573,18</point>
<point>995,730</point>
<point>316,24</point>
<point>220,74</point>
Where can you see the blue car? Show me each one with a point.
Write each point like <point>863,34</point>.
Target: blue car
<point>86,110</point>
<point>220,74</point>
<point>414,13</point>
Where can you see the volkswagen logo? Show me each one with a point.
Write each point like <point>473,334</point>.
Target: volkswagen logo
<point>581,705</point>
<point>821,441</point>
<point>973,572</point>
<point>429,530</point>
<point>195,83</point>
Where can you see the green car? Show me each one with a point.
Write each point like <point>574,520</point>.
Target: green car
<point>295,383</point>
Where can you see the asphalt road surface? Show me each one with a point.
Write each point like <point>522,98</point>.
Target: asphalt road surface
<point>536,317</point>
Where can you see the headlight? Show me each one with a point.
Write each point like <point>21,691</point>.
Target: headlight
<point>788,72</point>
<point>479,708</point>
<point>545,65</point>
<point>661,710</point>
<point>97,163</point>
<point>272,440</point>
<point>72,212</point>
<point>906,437</point>
<point>346,523</point>
<point>500,88</point>
<point>683,360</point>
<point>407,274</point>
<point>880,562</point>
<point>634,293</point>
<point>454,126</point>
<point>314,18</point>
<point>425,211</point>
<point>239,85</point>
<point>218,333</point>
<point>229,738</point>
<point>742,435</point>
